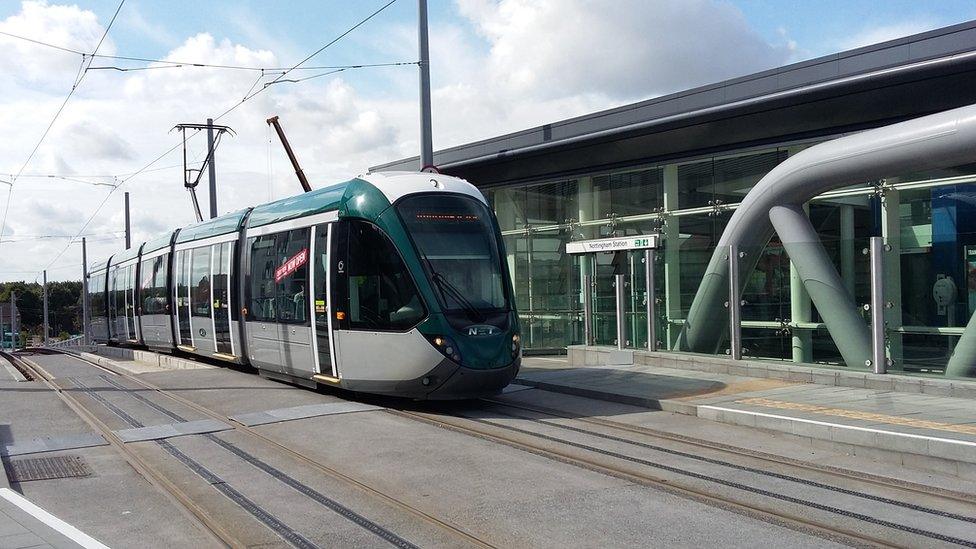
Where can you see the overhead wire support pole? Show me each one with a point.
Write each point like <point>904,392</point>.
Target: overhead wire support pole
<point>128,224</point>
<point>84,293</point>
<point>189,180</point>
<point>14,325</point>
<point>273,121</point>
<point>211,169</point>
<point>46,328</point>
<point>426,142</point>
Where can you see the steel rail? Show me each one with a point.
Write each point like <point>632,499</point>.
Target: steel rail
<point>754,470</point>
<point>390,500</point>
<point>170,490</point>
<point>877,480</point>
<point>768,513</point>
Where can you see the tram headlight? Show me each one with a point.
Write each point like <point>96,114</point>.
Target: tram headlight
<point>446,346</point>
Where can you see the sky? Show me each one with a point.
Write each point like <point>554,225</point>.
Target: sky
<point>497,66</point>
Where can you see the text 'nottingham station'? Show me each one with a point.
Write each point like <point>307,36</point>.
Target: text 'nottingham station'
<point>389,283</point>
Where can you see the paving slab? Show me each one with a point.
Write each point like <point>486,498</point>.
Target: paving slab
<point>300,412</point>
<point>170,430</point>
<point>53,444</point>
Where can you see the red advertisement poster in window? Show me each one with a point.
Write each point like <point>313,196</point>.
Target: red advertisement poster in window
<point>292,265</point>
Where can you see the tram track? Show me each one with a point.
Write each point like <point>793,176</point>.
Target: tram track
<point>629,467</point>
<point>838,473</point>
<point>288,534</point>
<point>197,514</point>
<point>683,481</point>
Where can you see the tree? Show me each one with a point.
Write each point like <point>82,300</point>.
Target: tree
<point>64,305</point>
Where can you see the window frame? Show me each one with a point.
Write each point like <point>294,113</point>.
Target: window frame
<point>347,323</point>
<point>250,278</point>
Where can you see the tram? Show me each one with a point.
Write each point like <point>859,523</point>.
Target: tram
<point>391,283</point>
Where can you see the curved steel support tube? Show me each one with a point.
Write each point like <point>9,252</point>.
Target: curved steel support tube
<point>822,282</point>
<point>936,141</point>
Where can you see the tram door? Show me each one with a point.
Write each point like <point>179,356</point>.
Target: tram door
<point>321,304</point>
<point>130,303</point>
<point>220,278</point>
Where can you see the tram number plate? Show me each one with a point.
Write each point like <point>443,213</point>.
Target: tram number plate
<point>291,265</point>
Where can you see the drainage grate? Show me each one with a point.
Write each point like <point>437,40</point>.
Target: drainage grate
<point>22,470</point>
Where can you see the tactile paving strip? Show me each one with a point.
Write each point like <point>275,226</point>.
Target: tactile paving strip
<point>26,469</point>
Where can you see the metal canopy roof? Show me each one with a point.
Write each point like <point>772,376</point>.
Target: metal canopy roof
<point>848,91</point>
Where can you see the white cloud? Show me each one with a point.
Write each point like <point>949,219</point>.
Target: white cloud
<point>625,48</point>
<point>529,63</point>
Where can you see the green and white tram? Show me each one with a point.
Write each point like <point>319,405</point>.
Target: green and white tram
<point>391,283</point>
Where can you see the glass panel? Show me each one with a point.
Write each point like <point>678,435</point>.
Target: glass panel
<point>264,261</point>
<point>183,296</point>
<point>456,240</point>
<point>130,301</point>
<point>200,280</point>
<point>382,295</point>
<point>637,192</point>
<point>551,203</point>
<point>291,277</point>
<point>154,300</point>
<point>606,266</point>
<point>767,287</point>
<point>509,207</point>
<point>698,238</point>
<point>221,296</point>
<point>320,263</point>
<point>555,292</point>
<point>723,180</point>
<point>767,343</point>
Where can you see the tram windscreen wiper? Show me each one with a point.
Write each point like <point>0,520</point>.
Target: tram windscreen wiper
<point>447,288</point>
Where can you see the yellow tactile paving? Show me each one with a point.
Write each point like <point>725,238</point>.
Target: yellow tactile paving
<point>969,429</point>
<point>750,386</point>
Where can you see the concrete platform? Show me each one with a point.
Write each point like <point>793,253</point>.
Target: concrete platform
<point>920,430</point>
<point>23,524</point>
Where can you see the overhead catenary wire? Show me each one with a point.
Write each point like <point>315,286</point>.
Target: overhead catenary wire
<point>169,63</point>
<point>246,98</point>
<point>74,87</point>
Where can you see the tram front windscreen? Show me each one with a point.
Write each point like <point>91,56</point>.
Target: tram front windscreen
<point>459,248</point>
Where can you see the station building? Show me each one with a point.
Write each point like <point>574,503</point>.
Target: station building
<point>678,165</point>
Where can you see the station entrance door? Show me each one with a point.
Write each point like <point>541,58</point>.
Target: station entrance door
<point>620,291</point>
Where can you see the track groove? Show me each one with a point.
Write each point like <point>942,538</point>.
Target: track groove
<point>390,537</point>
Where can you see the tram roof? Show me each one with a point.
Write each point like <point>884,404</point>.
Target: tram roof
<point>321,200</point>
<point>158,243</point>
<point>126,255</point>
<point>225,224</point>
<point>99,266</point>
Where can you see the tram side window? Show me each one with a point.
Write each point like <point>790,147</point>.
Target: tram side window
<point>279,277</point>
<point>96,296</point>
<point>264,260</point>
<point>291,277</point>
<point>118,292</point>
<point>200,281</point>
<point>153,287</point>
<point>382,295</point>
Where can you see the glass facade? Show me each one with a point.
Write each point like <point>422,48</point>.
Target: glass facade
<point>928,220</point>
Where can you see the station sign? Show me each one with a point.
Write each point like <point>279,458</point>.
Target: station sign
<point>640,242</point>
